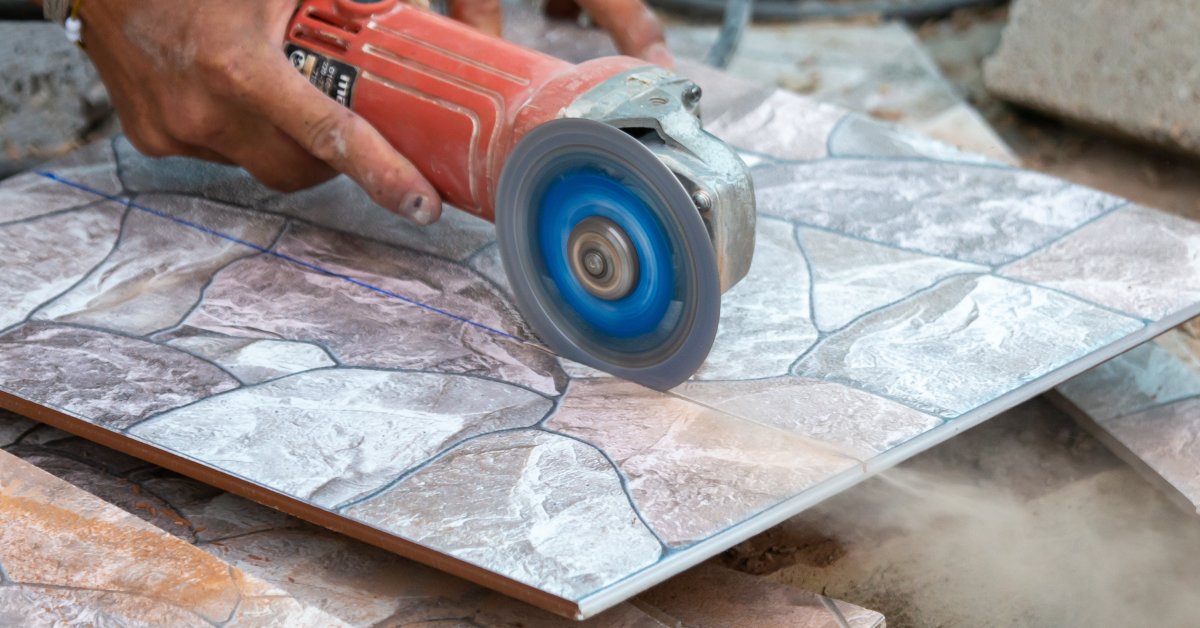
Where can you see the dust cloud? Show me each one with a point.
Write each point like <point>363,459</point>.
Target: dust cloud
<point>1024,522</point>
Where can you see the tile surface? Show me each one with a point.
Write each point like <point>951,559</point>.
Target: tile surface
<point>388,381</point>
<point>216,548</point>
<point>1147,402</point>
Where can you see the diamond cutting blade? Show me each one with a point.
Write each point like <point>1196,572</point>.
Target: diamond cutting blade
<point>573,181</point>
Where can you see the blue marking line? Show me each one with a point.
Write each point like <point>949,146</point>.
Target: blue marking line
<point>287,258</point>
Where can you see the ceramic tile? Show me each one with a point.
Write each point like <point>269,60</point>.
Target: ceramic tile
<point>388,379</point>
<point>112,380</point>
<point>254,361</point>
<point>337,439</point>
<point>692,471</point>
<point>538,507</point>
<point>921,205</point>
<point>159,268</point>
<point>852,277</point>
<point>32,195</point>
<point>1147,403</point>
<point>1136,260</point>
<point>755,338</point>
<point>43,257</point>
<point>963,343</point>
<point>217,182</point>
<point>267,297</point>
<point>12,427</point>
<point>857,422</point>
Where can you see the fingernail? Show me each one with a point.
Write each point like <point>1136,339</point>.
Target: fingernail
<point>417,208</point>
<point>658,54</point>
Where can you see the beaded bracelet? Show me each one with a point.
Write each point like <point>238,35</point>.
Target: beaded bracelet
<point>65,12</point>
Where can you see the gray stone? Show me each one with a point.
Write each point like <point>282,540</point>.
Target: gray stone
<point>542,509</point>
<point>103,378</point>
<point>12,427</point>
<point>877,69</point>
<point>1135,260</point>
<point>973,213</point>
<point>1145,376</point>
<point>852,277</point>
<point>964,343</point>
<point>342,205</point>
<point>30,195</point>
<point>1130,69</point>
<point>266,297</point>
<point>765,322</point>
<point>160,268</point>
<point>1167,439</point>
<point>252,360</point>
<point>693,471</point>
<point>331,436</point>
<point>41,258</point>
<point>857,422</point>
<point>50,95</point>
<point>182,175</point>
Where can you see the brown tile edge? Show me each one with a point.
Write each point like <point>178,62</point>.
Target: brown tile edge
<point>308,512</point>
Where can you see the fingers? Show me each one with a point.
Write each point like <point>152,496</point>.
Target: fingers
<point>634,28</point>
<point>336,136</point>
<point>274,158</point>
<point>484,15</point>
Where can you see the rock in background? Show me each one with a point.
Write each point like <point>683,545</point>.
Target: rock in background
<point>51,99</point>
<point>1133,70</point>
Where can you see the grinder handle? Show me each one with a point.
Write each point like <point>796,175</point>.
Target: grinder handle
<point>453,100</point>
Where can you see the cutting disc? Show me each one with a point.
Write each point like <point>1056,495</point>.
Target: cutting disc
<point>608,257</point>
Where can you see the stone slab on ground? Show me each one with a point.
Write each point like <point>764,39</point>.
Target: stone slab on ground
<point>881,70</point>
<point>68,555</point>
<point>50,95</point>
<point>1145,406</point>
<point>1131,69</point>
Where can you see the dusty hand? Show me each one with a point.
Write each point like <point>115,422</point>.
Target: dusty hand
<point>209,80</point>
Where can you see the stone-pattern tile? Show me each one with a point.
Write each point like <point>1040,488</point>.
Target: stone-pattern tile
<point>342,205</point>
<point>1167,439</point>
<point>1135,260</point>
<point>268,297</point>
<point>340,436</point>
<point>692,471</point>
<point>765,317</point>
<point>690,600</point>
<point>45,518</point>
<point>756,129</point>
<point>159,268</point>
<point>107,379</point>
<point>540,508</point>
<point>253,360</point>
<point>980,214</point>
<point>178,174</point>
<point>860,136</point>
<point>929,352</point>
<point>1148,375</point>
<point>41,258</point>
<point>1148,402</point>
<point>878,69</point>
<point>13,427</point>
<point>852,277</point>
<point>389,378</point>
<point>31,195</point>
<point>859,423</point>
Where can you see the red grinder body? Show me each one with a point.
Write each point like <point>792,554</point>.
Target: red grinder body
<point>451,99</point>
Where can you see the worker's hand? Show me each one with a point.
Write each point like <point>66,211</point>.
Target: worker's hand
<point>209,80</point>
<point>632,25</point>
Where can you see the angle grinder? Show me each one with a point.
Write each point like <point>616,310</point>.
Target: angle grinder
<point>620,221</point>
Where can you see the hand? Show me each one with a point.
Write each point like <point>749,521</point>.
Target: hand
<point>209,80</point>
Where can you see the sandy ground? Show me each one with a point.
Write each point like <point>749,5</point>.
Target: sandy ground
<point>1025,520</point>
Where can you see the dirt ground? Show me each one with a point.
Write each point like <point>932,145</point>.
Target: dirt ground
<point>1025,520</point>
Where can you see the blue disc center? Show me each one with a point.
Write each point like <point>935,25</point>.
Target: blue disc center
<point>583,193</point>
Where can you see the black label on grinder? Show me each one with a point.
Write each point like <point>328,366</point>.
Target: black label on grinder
<point>331,76</point>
